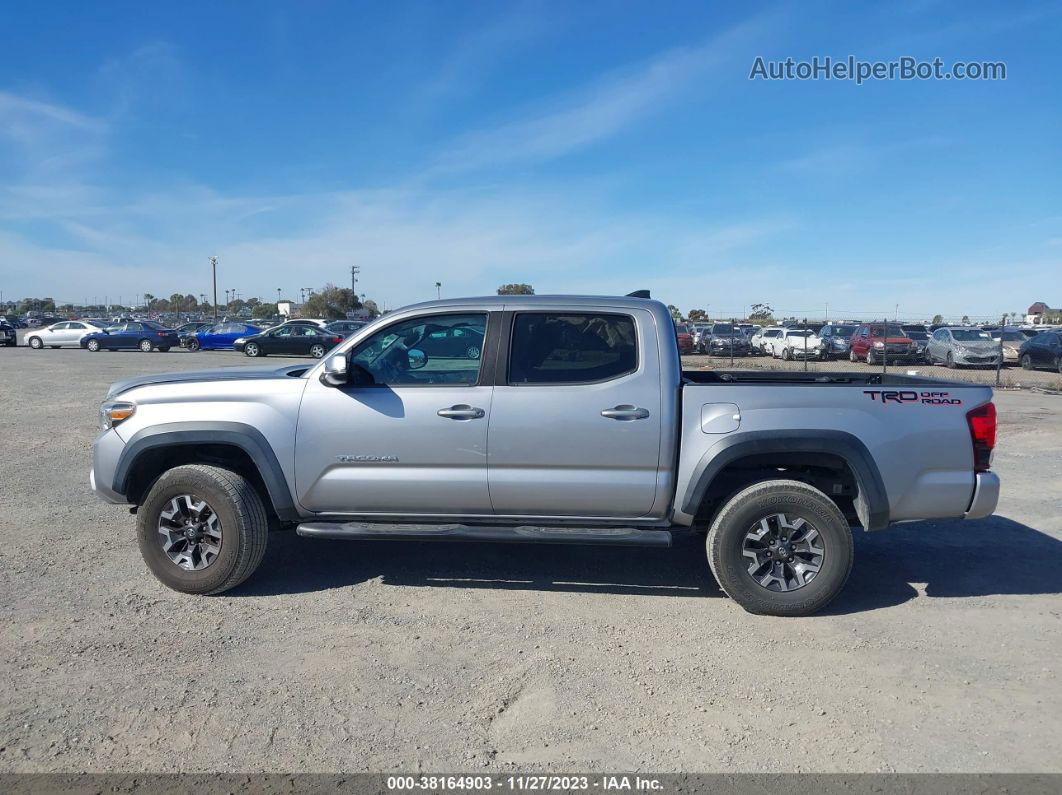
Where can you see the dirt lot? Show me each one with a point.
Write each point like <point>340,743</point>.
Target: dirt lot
<point>942,653</point>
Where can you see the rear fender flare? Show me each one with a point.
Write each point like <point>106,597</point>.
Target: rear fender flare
<point>872,504</point>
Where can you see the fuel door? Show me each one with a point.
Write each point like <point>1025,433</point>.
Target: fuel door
<point>720,417</point>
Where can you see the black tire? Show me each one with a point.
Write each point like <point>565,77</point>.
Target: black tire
<point>11,343</point>
<point>949,362</point>
<point>317,350</point>
<point>1026,362</point>
<point>852,357</point>
<point>145,346</point>
<point>871,358</point>
<point>744,511</point>
<point>193,345</point>
<point>251,349</point>
<point>244,528</point>
<point>93,345</point>
<point>786,354</point>
<point>35,343</point>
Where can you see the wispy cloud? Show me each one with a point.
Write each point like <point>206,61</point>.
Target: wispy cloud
<point>592,113</point>
<point>23,117</point>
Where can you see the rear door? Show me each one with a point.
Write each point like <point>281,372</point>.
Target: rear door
<point>576,419</point>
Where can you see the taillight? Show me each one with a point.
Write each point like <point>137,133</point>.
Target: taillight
<point>337,340</point>
<point>982,422</point>
<point>162,333</point>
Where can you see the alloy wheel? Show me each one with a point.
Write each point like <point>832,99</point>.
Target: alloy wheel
<point>472,352</point>
<point>317,351</point>
<point>93,345</point>
<point>190,532</point>
<point>145,346</point>
<point>251,349</point>
<point>784,553</point>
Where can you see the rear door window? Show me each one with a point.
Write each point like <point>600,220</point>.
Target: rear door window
<point>571,348</point>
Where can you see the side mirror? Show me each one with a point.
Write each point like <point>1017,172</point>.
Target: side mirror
<point>417,358</point>
<point>335,371</point>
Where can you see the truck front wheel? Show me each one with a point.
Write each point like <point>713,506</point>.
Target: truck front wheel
<point>202,529</point>
<point>780,548</point>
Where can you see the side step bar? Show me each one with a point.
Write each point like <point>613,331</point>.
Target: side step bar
<point>628,536</point>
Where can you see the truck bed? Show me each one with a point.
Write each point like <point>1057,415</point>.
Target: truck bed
<point>817,377</point>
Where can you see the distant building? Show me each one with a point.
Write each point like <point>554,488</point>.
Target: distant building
<point>1035,315</point>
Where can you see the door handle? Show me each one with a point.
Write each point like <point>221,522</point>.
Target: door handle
<point>461,411</point>
<point>625,413</point>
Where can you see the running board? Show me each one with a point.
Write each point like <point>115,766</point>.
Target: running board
<point>359,531</point>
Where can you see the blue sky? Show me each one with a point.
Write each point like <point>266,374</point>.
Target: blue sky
<point>592,147</point>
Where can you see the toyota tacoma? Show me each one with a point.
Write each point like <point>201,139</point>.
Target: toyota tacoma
<point>573,423</point>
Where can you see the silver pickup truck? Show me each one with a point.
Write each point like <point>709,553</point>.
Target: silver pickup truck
<point>540,419</point>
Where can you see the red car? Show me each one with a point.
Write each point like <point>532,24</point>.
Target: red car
<point>684,335</point>
<point>872,341</point>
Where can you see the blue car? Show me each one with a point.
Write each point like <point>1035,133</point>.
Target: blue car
<point>142,334</point>
<point>220,336</point>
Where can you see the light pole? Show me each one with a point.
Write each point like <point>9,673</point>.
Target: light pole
<point>438,290</point>
<point>214,269</point>
<point>278,299</point>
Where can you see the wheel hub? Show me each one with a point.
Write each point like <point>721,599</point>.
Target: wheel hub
<point>190,532</point>
<point>783,553</point>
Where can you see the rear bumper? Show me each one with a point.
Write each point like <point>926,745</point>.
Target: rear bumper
<point>985,496</point>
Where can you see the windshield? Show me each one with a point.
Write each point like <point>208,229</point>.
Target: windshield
<point>843,331</point>
<point>969,335</point>
<point>916,333</point>
<point>799,333</point>
<point>722,328</point>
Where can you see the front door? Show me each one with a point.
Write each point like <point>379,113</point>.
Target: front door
<point>412,443</point>
<point>575,424</point>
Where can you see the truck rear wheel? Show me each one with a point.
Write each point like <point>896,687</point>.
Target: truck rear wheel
<point>780,548</point>
<point>202,529</point>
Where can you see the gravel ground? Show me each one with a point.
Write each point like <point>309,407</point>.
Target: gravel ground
<point>942,654</point>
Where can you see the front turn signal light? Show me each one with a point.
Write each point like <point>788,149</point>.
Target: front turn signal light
<point>115,412</point>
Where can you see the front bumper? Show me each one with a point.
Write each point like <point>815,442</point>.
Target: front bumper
<point>985,496</point>
<point>974,360</point>
<point>106,451</point>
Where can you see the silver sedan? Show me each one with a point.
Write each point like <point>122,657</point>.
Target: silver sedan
<point>59,335</point>
<point>957,347</point>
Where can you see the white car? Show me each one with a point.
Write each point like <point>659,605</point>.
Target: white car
<point>762,337</point>
<point>60,335</point>
<point>795,343</point>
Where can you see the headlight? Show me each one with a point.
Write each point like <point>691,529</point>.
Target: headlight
<point>240,341</point>
<point>115,412</point>
<point>879,344</point>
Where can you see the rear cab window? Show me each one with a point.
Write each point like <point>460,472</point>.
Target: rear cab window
<point>571,347</point>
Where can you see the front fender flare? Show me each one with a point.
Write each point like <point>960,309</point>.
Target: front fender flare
<point>246,437</point>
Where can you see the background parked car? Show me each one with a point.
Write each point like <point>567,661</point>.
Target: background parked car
<point>220,336</point>
<point>291,339</point>
<point>187,329</point>
<point>454,342</point>
<point>796,343</point>
<point>142,334</point>
<point>963,346</point>
<point>345,327</point>
<point>684,338</point>
<point>834,340</point>
<point>68,333</point>
<point>872,341</point>
<point>723,338</point>
<point>1012,340</point>
<point>8,334</point>
<point>919,335</point>
<point>1044,351</point>
<point>762,339</point>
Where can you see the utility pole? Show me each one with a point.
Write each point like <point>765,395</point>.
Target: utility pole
<point>214,268</point>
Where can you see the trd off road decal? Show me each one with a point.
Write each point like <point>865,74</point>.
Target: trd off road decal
<point>902,396</point>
